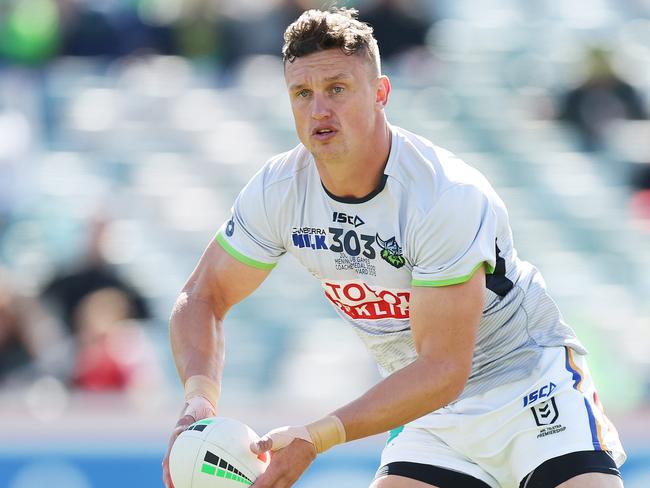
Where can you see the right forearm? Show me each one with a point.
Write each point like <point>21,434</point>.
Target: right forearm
<point>196,338</point>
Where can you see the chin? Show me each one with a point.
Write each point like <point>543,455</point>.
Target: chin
<point>327,152</point>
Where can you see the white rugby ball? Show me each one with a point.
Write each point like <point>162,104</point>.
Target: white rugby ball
<point>215,453</point>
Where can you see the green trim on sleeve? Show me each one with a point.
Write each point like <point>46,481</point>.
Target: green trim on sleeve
<point>240,257</point>
<point>454,281</point>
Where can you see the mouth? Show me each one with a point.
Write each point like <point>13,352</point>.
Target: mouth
<point>323,133</point>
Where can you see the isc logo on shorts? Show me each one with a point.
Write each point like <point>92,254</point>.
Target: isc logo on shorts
<point>543,392</point>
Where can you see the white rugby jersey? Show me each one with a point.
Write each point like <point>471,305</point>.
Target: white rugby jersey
<point>432,222</point>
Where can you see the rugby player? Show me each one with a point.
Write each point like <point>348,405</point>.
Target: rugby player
<point>484,383</point>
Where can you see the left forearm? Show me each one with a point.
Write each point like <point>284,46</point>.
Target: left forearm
<point>420,388</point>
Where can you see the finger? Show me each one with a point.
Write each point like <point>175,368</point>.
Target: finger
<point>180,428</point>
<point>182,425</point>
<point>176,432</point>
<point>185,421</point>
<point>167,477</point>
<point>166,474</point>
<point>262,445</point>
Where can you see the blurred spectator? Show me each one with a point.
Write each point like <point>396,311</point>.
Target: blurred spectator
<point>29,30</point>
<point>398,26</point>
<point>142,34</point>
<point>640,209</point>
<point>67,290</point>
<point>113,352</point>
<point>27,334</point>
<point>641,176</point>
<point>260,31</point>
<point>110,31</point>
<point>602,98</point>
<point>101,312</point>
<point>86,31</point>
<point>16,139</point>
<point>640,199</point>
<point>198,30</point>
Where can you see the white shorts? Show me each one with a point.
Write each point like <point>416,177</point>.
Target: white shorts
<point>504,434</point>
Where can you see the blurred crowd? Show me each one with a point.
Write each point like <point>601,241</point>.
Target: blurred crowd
<point>86,323</point>
<point>223,33</point>
<point>219,31</point>
<point>85,327</point>
<point>593,107</point>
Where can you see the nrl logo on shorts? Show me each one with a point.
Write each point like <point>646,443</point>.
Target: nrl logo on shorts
<point>391,252</point>
<point>545,413</point>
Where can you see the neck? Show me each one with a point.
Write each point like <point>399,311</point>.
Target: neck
<point>358,175</point>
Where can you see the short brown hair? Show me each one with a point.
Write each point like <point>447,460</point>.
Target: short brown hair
<point>336,28</point>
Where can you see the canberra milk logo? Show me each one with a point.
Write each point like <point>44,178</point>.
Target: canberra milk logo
<point>310,237</point>
<point>391,252</point>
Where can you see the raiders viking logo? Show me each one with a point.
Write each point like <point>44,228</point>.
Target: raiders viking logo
<point>391,252</point>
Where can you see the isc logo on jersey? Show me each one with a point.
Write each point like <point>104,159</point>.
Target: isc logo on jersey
<point>343,218</point>
<point>358,300</point>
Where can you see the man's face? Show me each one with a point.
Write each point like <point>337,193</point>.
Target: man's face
<point>334,99</point>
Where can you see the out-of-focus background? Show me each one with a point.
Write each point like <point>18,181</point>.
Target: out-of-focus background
<point>127,127</point>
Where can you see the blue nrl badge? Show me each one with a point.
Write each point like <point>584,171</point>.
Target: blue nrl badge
<point>230,228</point>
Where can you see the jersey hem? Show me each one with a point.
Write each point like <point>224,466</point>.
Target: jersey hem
<point>241,257</point>
<point>454,281</point>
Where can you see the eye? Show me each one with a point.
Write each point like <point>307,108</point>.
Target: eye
<point>304,93</point>
<point>338,89</point>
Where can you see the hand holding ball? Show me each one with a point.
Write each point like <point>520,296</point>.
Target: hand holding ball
<point>215,453</point>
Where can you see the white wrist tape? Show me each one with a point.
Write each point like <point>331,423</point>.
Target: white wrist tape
<point>204,386</point>
<point>326,433</point>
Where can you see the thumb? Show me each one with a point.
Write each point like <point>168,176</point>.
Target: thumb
<point>262,445</point>
<point>280,438</point>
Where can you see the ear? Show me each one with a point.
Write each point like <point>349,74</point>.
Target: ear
<point>383,90</point>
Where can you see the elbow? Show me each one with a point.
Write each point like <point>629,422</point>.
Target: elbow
<point>194,297</point>
<point>455,376</point>
<point>457,383</point>
<point>182,304</point>
<point>179,305</point>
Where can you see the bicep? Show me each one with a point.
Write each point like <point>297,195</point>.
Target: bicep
<point>222,280</point>
<point>445,320</point>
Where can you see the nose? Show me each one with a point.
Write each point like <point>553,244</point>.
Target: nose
<point>320,107</point>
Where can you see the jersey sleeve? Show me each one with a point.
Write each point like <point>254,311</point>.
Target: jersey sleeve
<point>455,237</point>
<point>248,235</point>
